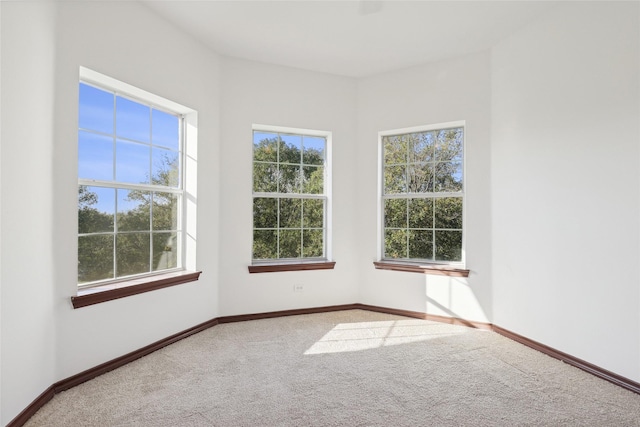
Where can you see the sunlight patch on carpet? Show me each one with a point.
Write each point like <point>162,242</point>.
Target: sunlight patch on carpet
<point>349,337</point>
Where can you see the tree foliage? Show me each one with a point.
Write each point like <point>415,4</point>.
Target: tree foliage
<point>285,224</point>
<point>423,162</point>
<point>143,231</point>
<point>428,226</point>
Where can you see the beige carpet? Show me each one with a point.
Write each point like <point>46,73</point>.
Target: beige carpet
<point>349,368</point>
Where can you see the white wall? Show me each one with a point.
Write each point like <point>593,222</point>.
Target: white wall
<point>544,109</point>
<point>256,93</point>
<point>0,216</point>
<point>124,40</point>
<point>44,338</point>
<point>457,89</point>
<point>565,183</point>
<point>27,97</point>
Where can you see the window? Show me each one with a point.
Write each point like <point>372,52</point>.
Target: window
<point>131,185</point>
<point>422,194</point>
<point>290,195</point>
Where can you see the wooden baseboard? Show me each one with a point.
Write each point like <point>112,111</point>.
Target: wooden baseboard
<point>30,410</point>
<point>103,368</point>
<point>129,357</point>
<point>272,314</point>
<point>571,360</point>
<point>91,373</point>
<point>426,316</point>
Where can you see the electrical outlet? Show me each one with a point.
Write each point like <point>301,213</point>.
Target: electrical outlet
<point>298,288</point>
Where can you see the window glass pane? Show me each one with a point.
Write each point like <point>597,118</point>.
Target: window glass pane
<point>265,177</point>
<point>165,251</point>
<point>395,244</point>
<point>395,180</point>
<point>265,213</point>
<point>420,177</point>
<point>421,244</point>
<point>132,162</point>
<point>290,213</point>
<point>95,156</point>
<point>290,243</point>
<point>290,149</point>
<point>395,213</point>
<point>165,211</point>
<point>395,149</point>
<point>288,164</point>
<point>290,178</point>
<point>133,210</point>
<point>95,258</point>
<point>165,168</point>
<point>422,163</point>
<point>313,213</point>
<point>96,206</point>
<point>132,253</point>
<point>448,177</point>
<point>313,180</point>
<point>122,141</point>
<point>448,212</point>
<point>265,244</point>
<point>312,243</point>
<point>165,130</point>
<point>313,153</point>
<point>421,213</point>
<point>265,147</point>
<point>95,109</point>
<point>448,245</point>
<point>421,147</point>
<point>449,145</point>
<point>133,120</point>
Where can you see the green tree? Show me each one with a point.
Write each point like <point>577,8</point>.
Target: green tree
<point>95,251</point>
<point>90,219</point>
<point>154,218</point>
<point>417,163</point>
<point>153,215</point>
<point>287,226</point>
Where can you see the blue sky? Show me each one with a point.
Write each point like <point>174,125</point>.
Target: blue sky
<point>139,136</point>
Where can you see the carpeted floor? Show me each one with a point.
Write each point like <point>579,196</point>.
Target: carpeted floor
<point>348,368</point>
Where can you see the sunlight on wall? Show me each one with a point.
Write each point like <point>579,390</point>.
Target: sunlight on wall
<point>348,337</point>
<point>191,188</point>
<point>452,297</point>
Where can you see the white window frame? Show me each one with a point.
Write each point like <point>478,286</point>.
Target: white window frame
<point>187,189</point>
<point>326,195</point>
<point>382,196</point>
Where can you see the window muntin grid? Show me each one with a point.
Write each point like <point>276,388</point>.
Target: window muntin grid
<point>130,189</point>
<point>289,196</point>
<point>422,195</point>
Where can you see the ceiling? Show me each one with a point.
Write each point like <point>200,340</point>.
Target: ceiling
<point>349,38</point>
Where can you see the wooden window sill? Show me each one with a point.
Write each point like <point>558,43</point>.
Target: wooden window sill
<point>271,268</point>
<point>111,291</point>
<point>424,268</point>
